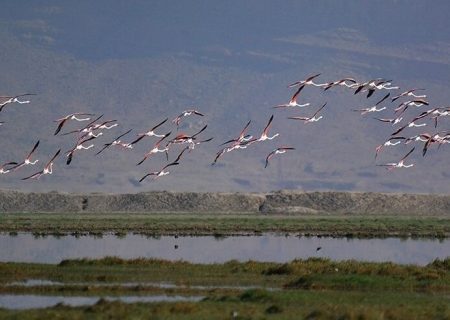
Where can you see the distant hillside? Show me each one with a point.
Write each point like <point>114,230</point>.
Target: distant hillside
<point>282,202</point>
<point>231,82</point>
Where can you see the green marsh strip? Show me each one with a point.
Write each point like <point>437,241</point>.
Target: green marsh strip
<point>310,289</point>
<point>211,224</point>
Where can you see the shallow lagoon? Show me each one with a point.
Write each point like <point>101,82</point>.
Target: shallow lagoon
<point>25,247</point>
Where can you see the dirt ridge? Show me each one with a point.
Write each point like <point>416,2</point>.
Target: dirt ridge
<point>279,202</point>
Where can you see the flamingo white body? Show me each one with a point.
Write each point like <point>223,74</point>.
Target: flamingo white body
<point>48,169</point>
<point>416,138</point>
<point>293,101</point>
<point>27,160</point>
<point>156,149</point>
<point>393,121</point>
<point>388,143</point>
<point>241,145</point>
<point>79,146</point>
<point>157,174</point>
<point>3,169</point>
<point>386,86</point>
<point>124,145</point>
<point>308,81</point>
<point>279,150</point>
<point>341,82</point>
<point>163,171</point>
<point>151,134</point>
<point>370,109</point>
<point>313,118</point>
<point>374,108</point>
<point>90,134</point>
<point>186,139</point>
<point>186,113</point>
<point>72,116</point>
<point>264,136</point>
<point>413,124</point>
<point>416,103</point>
<point>15,99</point>
<point>105,126</point>
<point>437,112</point>
<point>399,164</point>
<point>411,94</point>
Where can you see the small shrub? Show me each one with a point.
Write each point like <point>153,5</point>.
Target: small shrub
<point>255,295</point>
<point>304,282</point>
<point>284,269</point>
<point>273,309</point>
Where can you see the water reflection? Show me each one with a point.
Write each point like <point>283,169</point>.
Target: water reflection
<point>31,301</point>
<point>24,247</point>
<point>161,285</point>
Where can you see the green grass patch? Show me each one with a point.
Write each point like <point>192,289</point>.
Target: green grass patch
<point>223,225</point>
<point>314,288</point>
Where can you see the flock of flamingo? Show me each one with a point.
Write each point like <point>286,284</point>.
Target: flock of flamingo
<point>86,134</point>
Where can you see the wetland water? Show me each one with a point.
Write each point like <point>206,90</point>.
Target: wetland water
<point>30,301</point>
<point>24,247</point>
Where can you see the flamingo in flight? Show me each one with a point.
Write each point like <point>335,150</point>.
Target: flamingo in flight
<point>388,143</point>
<point>195,143</point>
<point>392,121</point>
<point>374,108</point>
<point>116,141</point>
<point>72,116</point>
<point>3,168</point>
<point>78,146</point>
<point>27,160</point>
<point>409,93</point>
<point>371,85</point>
<point>241,145</point>
<point>307,81</point>
<point>162,172</point>
<point>418,137</point>
<point>14,99</point>
<point>183,138</point>
<point>104,125</point>
<point>313,118</point>
<point>400,164</point>
<point>435,138</point>
<point>241,142</point>
<point>264,135</point>
<point>218,155</point>
<point>279,150</point>
<point>411,124</point>
<point>293,101</point>
<point>159,173</point>
<point>341,82</point>
<point>155,149</point>
<point>404,105</point>
<point>86,129</point>
<point>151,132</point>
<point>235,146</point>
<point>48,169</point>
<point>242,136</point>
<point>186,113</point>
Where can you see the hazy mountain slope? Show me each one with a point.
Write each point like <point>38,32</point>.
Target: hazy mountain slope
<point>231,81</point>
